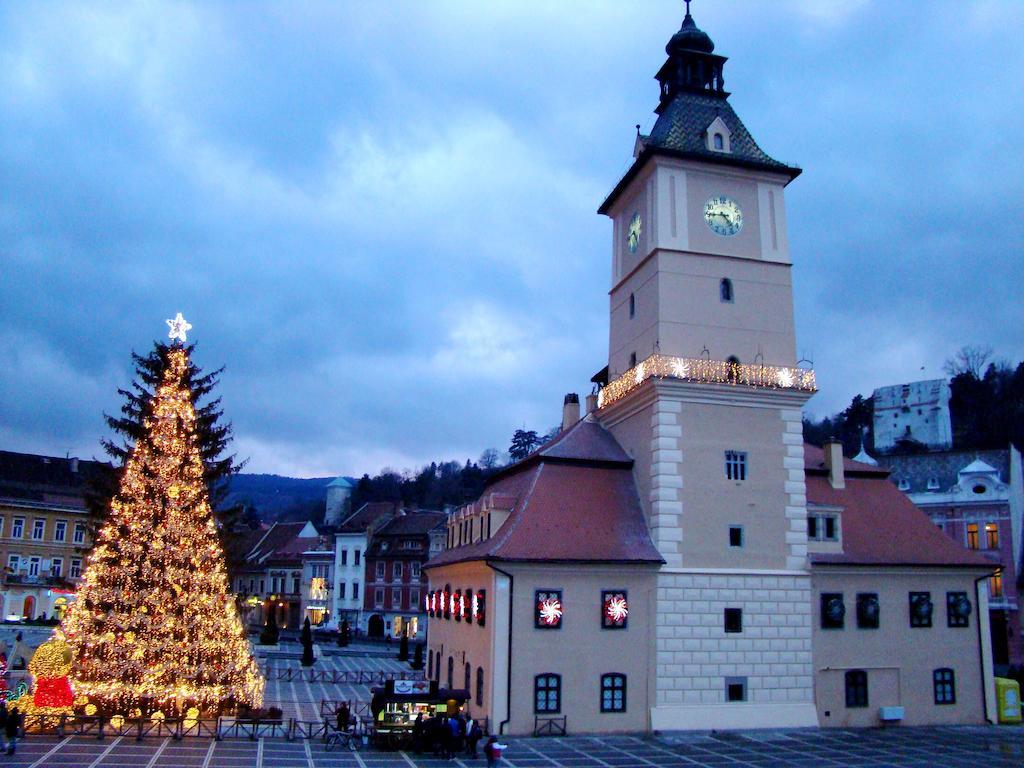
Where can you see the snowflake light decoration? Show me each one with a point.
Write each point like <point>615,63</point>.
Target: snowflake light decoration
<point>640,374</point>
<point>549,610</point>
<point>680,369</point>
<point>616,610</point>
<point>179,327</point>
<point>785,378</point>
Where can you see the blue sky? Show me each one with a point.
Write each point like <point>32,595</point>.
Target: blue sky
<point>380,217</point>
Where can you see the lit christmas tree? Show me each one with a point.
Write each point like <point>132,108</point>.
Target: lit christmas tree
<point>154,628</point>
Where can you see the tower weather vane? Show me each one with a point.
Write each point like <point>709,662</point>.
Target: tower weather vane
<point>179,326</point>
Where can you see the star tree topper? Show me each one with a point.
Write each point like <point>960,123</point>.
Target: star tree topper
<point>179,326</point>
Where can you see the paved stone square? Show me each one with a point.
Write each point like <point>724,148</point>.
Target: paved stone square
<point>955,747</point>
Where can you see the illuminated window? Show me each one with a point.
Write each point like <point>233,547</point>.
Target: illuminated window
<point>613,692</point>
<point>992,535</point>
<point>995,585</point>
<point>944,685</point>
<point>735,465</point>
<point>547,694</point>
<point>856,688</point>
<point>972,535</point>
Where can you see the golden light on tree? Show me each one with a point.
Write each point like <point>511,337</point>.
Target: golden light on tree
<point>154,628</point>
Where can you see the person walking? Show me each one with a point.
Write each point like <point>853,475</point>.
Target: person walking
<point>11,728</point>
<point>473,735</point>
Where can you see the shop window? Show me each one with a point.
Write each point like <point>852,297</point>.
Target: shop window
<point>944,686</point>
<point>958,609</point>
<point>735,689</point>
<point>920,609</point>
<point>733,619</point>
<point>547,694</point>
<point>856,688</point>
<point>833,611</point>
<point>613,692</point>
<point>868,610</point>
<point>735,465</point>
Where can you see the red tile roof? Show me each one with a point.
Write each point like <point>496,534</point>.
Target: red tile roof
<point>879,524</point>
<point>574,500</point>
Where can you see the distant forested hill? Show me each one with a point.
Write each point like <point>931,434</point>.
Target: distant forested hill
<point>280,498</point>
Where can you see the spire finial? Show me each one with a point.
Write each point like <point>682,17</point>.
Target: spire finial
<point>687,7</point>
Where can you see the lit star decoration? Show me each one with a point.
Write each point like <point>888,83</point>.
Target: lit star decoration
<point>154,628</point>
<point>616,610</point>
<point>550,610</point>
<point>179,327</point>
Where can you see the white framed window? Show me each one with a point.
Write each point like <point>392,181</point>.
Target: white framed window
<point>822,527</point>
<point>380,570</point>
<point>414,570</point>
<point>414,597</point>
<point>396,572</point>
<point>60,530</point>
<point>18,528</point>
<point>378,597</point>
<point>38,529</point>
<point>76,567</point>
<point>57,566</point>
<point>13,562</point>
<point>79,535</point>
<point>396,598</point>
<point>33,566</point>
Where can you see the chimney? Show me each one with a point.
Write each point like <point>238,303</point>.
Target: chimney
<point>591,402</point>
<point>834,463</point>
<point>74,464</point>
<point>570,410</point>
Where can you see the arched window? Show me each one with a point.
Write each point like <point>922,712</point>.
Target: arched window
<point>451,671</point>
<point>469,678</point>
<point>479,686</point>
<point>632,305</point>
<point>613,692</point>
<point>29,611</point>
<point>725,290</point>
<point>719,142</point>
<point>547,694</point>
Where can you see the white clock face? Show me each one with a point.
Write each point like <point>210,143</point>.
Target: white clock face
<point>633,237</point>
<point>724,216</point>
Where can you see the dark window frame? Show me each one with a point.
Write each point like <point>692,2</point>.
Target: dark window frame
<point>736,541</point>
<point>824,621</point>
<point>944,686</point>
<point>545,594</point>
<point>613,683</point>
<point>732,620</point>
<point>954,618</point>
<point>550,685</point>
<point>920,621</point>
<point>735,465</point>
<point>726,294</point>
<point>606,621</point>
<point>856,684</point>
<point>864,621</point>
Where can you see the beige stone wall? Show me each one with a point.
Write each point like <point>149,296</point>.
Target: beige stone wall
<point>581,651</point>
<point>898,659</point>
<point>468,643</point>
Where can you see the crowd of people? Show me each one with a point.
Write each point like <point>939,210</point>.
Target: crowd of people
<point>445,736</point>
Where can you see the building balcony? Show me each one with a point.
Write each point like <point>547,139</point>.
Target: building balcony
<point>703,371</point>
<point>24,579</point>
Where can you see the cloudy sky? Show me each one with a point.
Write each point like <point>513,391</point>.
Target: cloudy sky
<point>381,216</point>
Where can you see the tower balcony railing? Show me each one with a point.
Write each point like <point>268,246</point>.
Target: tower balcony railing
<point>703,371</point>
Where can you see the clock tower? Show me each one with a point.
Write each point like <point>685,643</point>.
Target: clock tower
<point>703,389</point>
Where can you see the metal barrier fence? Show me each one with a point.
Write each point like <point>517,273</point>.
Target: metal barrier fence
<point>354,677</point>
<point>177,729</point>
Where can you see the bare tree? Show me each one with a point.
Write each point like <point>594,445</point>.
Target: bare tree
<point>489,458</point>
<point>969,359</point>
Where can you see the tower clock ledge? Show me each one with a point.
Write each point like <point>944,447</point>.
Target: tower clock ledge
<point>722,377</point>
